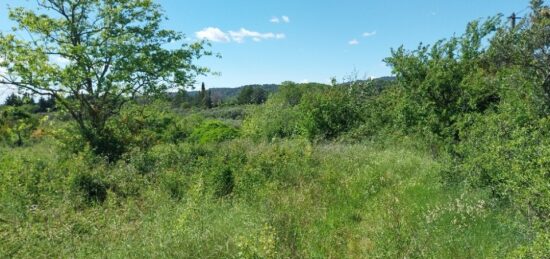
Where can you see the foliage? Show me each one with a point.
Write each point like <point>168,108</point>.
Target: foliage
<point>13,100</point>
<point>90,187</point>
<point>114,51</point>
<point>505,149</point>
<point>205,99</point>
<point>288,198</point>
<point>46,105</point>
<point>330,112</point>
<point>449,160</point>
<point>213,131</point>
<point>280,117</point>
<point>441,83</point>
<point>252,95</point>
<point>17,125</point>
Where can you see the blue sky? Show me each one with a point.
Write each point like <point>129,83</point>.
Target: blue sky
<point>272,41</point>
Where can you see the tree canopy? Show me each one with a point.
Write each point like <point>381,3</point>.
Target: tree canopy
<point>93,56</point>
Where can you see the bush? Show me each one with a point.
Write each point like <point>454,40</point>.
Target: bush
<point>512,163</point>
<point>17,125</point>
<point>91,187</point>
<point>330,112</point>
<point>282,116</point>
<point>213,131</point>
<point>274,120</point>
<point>223,183</point>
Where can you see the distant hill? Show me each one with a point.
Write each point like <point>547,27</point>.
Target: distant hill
<point>227,93</point>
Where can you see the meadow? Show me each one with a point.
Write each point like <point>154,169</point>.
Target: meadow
<point>447,158</point>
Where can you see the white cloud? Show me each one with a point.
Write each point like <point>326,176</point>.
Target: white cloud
<point>216,35</point>
<point>369,34</point>
<point>305,81</point>
<point>353,42</point>
<point>242,34</point>
<point>285,19</point>
<point>212,34</point>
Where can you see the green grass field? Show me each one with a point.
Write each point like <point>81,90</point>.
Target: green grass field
<point>284,199</point>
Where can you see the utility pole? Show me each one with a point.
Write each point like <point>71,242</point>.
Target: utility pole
<point>513,18</point>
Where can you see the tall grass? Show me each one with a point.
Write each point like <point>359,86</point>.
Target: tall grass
<point>287,199</point>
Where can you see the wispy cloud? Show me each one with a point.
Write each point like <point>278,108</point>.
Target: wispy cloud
<point>283,19</point>
<point>353,42</point>
<point>212,34</point>
<point>369,34</point>
<point>240,35</point>
<point>217,35</point>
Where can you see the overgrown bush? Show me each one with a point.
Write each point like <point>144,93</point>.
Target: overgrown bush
<point>213,131</point>
<point>304,110</point>
<point>330,112</point>
<point>90,187</point>
<point>274,120</point>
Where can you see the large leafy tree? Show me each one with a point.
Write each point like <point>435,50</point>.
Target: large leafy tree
<point>443,82</point>
<point>93,56</point>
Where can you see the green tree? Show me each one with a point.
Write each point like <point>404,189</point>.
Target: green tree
<point>527,47</point>
<point>202,94</point>
<point>443,82</point>
<point>208,100</point>
<point>45,105</point>
<point>112,51</point>
<point>13,100</point>
<point>245,95</point>
<point>259,96</point>
<point>204,97</point>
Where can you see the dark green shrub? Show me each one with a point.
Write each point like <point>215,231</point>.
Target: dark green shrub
<point>90,187</point>
<point>175,183</point>
<point>223,183</point>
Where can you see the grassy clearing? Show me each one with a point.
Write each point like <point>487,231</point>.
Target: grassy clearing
<point>287,199</point>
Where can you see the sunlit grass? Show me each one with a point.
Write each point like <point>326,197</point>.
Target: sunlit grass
<point>327,200</point>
